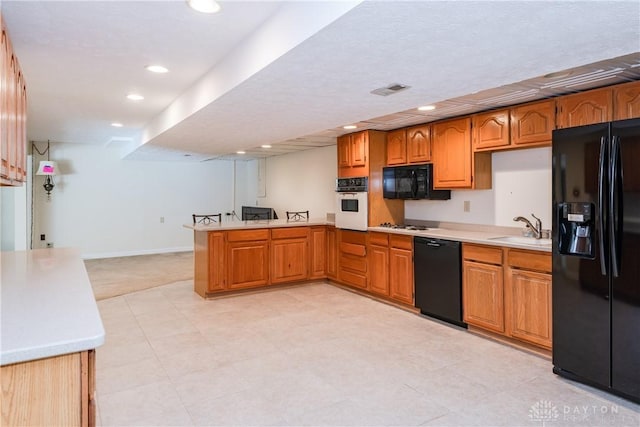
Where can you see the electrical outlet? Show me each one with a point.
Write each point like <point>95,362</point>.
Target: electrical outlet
<point>467,206</point>
<point>42,237</point>
<point>161,220</point>
<point>49,244</point>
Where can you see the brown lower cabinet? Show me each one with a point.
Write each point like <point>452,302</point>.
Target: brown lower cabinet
<point>378,259</point>
<point>401,285</point>
<point>483,287</point>
<point>240,259</point>
<point>352,258</point>
<point>390,258</point>
<point>57,390</point>
<point>332,253</point>
<point>318,252</point>
<point>508,291</point>
<point>247,255</point>
<point>289,254</point>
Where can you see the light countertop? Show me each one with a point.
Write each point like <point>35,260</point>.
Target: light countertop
<point>48,306</point>
<point>271,223</point>
<point>482,236</point>
<point>489,238</point>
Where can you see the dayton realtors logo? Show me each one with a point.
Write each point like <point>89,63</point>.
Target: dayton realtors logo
<point>543,411</point>
<point>546,413</point>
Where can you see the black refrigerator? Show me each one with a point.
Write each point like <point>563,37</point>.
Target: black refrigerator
<point>596,256</point>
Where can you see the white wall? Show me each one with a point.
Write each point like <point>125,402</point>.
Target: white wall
<point>106,206</point>
<point>14,217</point>
<point>301,181</point>
<point>521,186</point>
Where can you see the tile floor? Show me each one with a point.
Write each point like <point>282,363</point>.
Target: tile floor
<point>320,355</point>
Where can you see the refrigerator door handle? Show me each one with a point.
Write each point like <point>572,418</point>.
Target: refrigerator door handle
<point>601,204</point>
<point>615,202</point>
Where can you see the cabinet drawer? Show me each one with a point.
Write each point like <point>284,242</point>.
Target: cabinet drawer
<point>354,263</point>
<point>353,279</point>
<point>380,239</point>
<point>357,237</point>
<point>529,260</point>
<point>245,235</point>
<point>353,249</point>
<point>290,232</point>
<point>482,254</point>
<point>401,242</point>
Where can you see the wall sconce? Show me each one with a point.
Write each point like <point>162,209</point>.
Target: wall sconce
<point>47,168</point>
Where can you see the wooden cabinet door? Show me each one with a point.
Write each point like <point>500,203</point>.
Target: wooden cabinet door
<point>332,253</point>
<point>451,146</point>
<point>4,141</point>
<point>532,124</point>
<point>247,264</point>
<point>21,130</point>
<point>359,149</point>
<point>483,295</point>
<point>490,130</point>
<point>401,275</point>
<point>344,151</point>
<point>626,101</point>
<point>289,260</point>
<point>53,391</point>
<point>216,262</point>
<point>379,269</point>
<point>594,106</point>
<point>397,147</point>
<point>318,253</point>
<point>419,144</point>
<point>529,316</point>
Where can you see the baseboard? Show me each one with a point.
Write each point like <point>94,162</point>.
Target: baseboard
<point>138,252</point>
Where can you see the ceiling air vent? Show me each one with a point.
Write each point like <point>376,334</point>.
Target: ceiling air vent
<point>390,90</point>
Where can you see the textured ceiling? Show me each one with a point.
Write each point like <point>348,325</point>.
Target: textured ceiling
<point>292,74</point>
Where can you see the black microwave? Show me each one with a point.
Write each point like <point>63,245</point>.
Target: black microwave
<point>411,182</point>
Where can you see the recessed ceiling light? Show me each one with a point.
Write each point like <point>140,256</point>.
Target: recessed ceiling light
<point>265,146</point>
<point>240,152</point>
<point>427,108</point>
<point>557,75</point>
<point>116,125</point>
<point>135,97</point>
<point>157,69</point>
<point>204,6</point>
<point>349,127</point>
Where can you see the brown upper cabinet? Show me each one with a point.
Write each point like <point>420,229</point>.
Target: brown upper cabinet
<point>397,147</point>
<point>532,124</point>
<point>454,163</point>
<point>522,126</point>
<point>419,144</point>
<point>409,145</point>
<point>490,130</point>
<point>626,101</point>
<point>352,154</point>
<point>13,103</point>
<point>585,108</point>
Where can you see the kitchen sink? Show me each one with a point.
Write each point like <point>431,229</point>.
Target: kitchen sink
<point>523,240</point>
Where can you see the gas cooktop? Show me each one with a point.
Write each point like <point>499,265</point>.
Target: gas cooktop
<point>403,226</point>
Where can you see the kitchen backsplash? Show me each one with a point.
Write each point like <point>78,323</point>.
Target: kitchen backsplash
<point>521,186</point>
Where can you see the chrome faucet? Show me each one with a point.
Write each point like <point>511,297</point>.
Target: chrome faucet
<point>536,230</point>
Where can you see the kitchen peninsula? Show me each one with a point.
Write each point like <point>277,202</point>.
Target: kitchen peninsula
<point>50,330</point>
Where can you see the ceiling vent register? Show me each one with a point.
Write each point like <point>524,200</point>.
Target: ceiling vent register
<point>390,90</point>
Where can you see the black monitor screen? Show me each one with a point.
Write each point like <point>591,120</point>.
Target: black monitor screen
<point>250,213</point>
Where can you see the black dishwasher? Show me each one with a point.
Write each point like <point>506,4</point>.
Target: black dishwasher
<point>438,279</point>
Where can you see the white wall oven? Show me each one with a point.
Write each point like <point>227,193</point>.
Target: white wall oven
<point>352,203</point>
